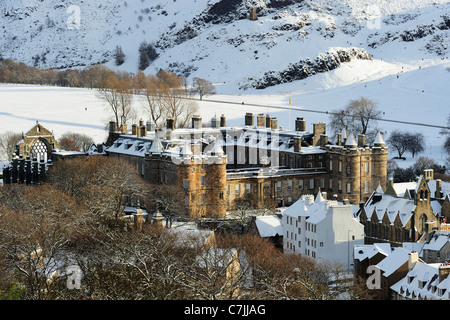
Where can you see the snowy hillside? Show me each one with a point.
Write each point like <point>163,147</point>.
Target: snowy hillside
<point>214,39</point>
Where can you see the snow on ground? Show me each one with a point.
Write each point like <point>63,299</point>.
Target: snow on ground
<point>419,95</point>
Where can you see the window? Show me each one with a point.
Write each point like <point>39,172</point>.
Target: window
<point>248,188</point>
<point>349,187</point>
<point>340,185</point>
<point>228,189</point>
<point>237,189</point>
<point>366,187</point>
<point>279,186</point>
<point>186,200</point>
<point>340,166</point>
<point>203,180</point>
<point>221,195</point>
<point>185,183</point>
<point>289,185</point>
<point>349,170</point>
<point>289,199</point>
<point>322,183</point>
<point>331,184</point>
<point>366,167</point>
<point>331,165</point>
<point>300,184</point>
<point>311,183</point>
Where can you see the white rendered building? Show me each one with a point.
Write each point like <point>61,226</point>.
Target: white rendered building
<point>322,229</point>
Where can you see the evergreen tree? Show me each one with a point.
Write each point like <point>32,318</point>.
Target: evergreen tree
<point>119,56</point>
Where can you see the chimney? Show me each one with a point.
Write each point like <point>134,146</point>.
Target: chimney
<point>323,140</point>
<point>361,140</point>
<point>273,123</point>
<point>196,122</point>
<point>438,194</point>
<point>339,139</point>
<point>260,120</point>
<point>143,130</point>
<point>413,258</point>
<point>124,128</point>
<point>214,122</point>
<point>324,195</point>
<point>444,270</point>
<point>429,174</point>
<point>268,121</point>
<point>157,219</point>
<point>223,121</point>
<point>139,219</point>
<point>345,201</point>
<point>300,124</point>
<point>249,119</point>
<point>151,126</point>
<point>170,124</point>
<point>297,144</point>
<point>112,126</point>
<point>134,130</point>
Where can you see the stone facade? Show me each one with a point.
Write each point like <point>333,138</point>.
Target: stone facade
<point>259,164</point>
<point>395,220</point>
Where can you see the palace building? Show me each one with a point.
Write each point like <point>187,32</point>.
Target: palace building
<point>259,163</point>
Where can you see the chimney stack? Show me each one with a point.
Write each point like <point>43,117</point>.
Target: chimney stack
<point>268,123</point>
<point>273,123</point>
<point>170,124</point>
<point>260,120</point>
<point>300,124</point>
<point>438,194</point>
<point>413,258</point>
<point>444,270</point>
<point>297,144</point>
<point>223,122</point>
<point>196,122</point>
<point>249,119</point>
<point>361,140</point>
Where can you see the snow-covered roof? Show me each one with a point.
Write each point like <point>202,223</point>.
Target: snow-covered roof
<point>379,139</point>
<point>437,241</point>
<point>401,188</point>
<point>380,204</point>
<point>362,252</point>
<point>396,258</point>
<point>269,226</point>
<point>351,141</point>
<point>422,282</point>
<point>445,188</point>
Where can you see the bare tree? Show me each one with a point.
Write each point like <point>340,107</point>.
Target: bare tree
<point>202,87</point>
<point>360,116</point>
<point>416,143</point>
<point>399,141</point>
<point>8,143</point>
<point>79,141</point>
<point>117,93</point>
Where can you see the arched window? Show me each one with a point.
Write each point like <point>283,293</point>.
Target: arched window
<point>423,223</point>
<point>39,150</point>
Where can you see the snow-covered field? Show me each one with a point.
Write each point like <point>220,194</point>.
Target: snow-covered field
<point>418,95</point>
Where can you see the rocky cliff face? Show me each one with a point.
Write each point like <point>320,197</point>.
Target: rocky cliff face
<point>216,40</point>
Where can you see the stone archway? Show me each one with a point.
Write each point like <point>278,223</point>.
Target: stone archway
<point>40,150</point>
